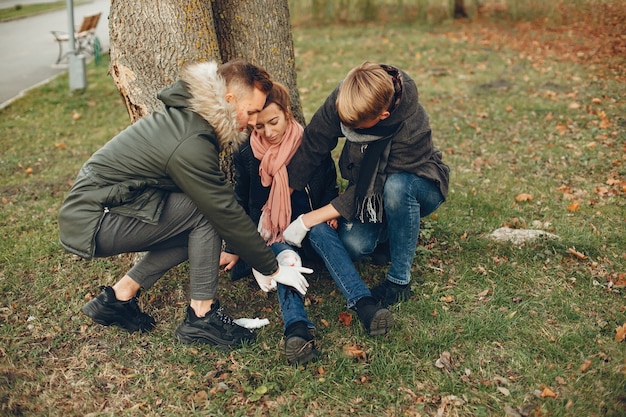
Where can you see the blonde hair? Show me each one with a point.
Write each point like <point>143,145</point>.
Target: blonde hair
<point>364,94</point>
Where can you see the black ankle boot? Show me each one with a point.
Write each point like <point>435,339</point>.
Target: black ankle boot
<point>377,320</point>
<point>300,344</point>
<point>387,293</point>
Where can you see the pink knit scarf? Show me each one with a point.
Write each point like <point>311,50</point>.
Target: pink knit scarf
<point>273,172</point>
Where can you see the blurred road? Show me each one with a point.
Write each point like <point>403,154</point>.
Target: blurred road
<point>29,51</point>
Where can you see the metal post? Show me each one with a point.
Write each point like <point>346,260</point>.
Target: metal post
<point>76,63</point>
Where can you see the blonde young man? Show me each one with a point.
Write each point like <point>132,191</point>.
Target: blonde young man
<point>158,187</point>
<point>395,176</point>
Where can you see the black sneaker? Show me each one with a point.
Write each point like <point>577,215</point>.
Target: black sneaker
<point>389,293</point>
<point>377,320</point>
<point>107,310</point>
<point>299,344</point>
<point>216,328</point>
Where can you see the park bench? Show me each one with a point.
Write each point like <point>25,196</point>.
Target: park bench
<point>85,40</point>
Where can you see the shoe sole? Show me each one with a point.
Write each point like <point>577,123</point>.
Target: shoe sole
<point>91,310</point>
<point>300,351</point>
<point>196,335</point>
<point>381,322</point>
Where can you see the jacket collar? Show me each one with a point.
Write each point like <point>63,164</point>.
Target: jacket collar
<point>208,91</point>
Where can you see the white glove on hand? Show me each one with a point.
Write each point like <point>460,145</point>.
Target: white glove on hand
<point>294,233</point>
<point>286,275</point>
<point>266,283</point>
<point>289,257</point>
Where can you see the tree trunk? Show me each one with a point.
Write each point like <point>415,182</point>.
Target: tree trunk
<point>259,31</point>
<point>149,43</point>
<point>459,9</point>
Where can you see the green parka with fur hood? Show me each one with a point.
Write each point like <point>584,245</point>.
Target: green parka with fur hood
<point>176,149</point>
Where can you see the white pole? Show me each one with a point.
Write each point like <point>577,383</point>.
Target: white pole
<point>76,63</point>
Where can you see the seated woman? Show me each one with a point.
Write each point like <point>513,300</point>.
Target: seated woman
<point>262,188</point>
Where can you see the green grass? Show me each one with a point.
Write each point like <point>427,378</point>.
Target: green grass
<point>515,320</point>
<point>24,10</point>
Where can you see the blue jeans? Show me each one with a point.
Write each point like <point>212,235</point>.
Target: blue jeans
<point>406,198</point>
<point>326,243</point>
<point>289,299</point>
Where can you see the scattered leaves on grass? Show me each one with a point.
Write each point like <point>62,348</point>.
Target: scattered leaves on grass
<point>447,299</point>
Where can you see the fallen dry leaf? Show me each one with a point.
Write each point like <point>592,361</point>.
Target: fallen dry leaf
<point>345,318</point>
<point>577,254</point>
<point>483,294</point>
<point>585,365</point>
<point>620,333</point>
<point>447,299</point>
<point>324,322</point>
<point>523,197</point>
<point>354,352</point>
<point>445,361</point>
<point>547,392</point>
<point>573,207</point>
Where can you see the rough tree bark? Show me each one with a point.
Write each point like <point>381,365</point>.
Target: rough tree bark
<point>151,40</point>
<point>260,32</point>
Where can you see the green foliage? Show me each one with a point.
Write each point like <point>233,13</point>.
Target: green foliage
<point>490,327</point>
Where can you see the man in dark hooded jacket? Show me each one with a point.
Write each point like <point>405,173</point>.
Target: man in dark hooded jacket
<point>159,187</point>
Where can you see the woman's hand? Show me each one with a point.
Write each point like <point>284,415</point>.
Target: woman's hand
<point>228,260</point>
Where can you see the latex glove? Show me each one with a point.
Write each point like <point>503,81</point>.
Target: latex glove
<point>266,283</point>
<point>287,275</point>
<point>294,233</point>
<point>289,257</point>
<point>265,234</point>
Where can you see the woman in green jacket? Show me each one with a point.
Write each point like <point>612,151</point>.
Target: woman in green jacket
<point>159,187</point>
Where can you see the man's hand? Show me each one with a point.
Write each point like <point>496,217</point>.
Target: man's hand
<point>286,275</point>
<point>294,233</point>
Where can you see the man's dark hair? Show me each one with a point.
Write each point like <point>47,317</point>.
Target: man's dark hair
<point>242,74</point>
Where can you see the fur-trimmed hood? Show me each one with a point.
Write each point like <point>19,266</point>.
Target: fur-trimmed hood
<point>203,90</point>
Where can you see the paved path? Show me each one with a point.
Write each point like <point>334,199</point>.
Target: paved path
<point>28,51</point>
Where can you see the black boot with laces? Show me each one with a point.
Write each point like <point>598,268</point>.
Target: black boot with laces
<point>107,310</point>
<point>215,328</point>
<point>300,344</point>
